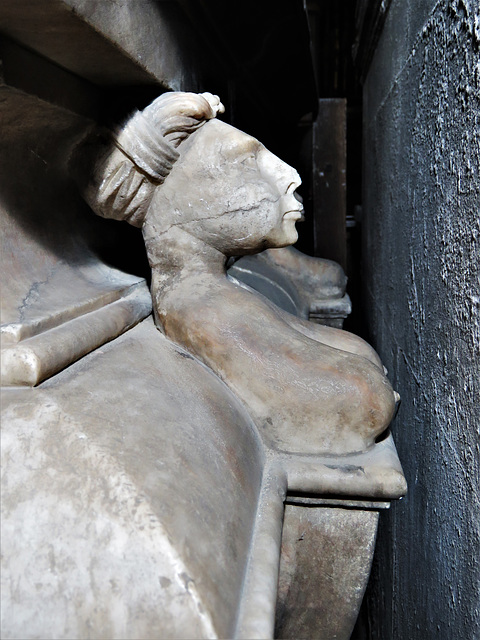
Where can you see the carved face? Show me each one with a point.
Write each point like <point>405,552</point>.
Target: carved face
<point>228,190</point>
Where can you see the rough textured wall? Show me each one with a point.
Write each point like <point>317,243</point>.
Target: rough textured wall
<point>421,270</point>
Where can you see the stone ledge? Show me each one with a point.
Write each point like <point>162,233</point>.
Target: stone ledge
<point>117,43</point>
<point>35,359</point>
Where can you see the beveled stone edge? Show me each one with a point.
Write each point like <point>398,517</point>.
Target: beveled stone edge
<point>383,481</point>
<point>375,474</point>
<point>11,333</point>
<point>35,359</point>
<point>330,308</point>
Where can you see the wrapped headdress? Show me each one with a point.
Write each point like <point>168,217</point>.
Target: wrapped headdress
<point>143,153</point>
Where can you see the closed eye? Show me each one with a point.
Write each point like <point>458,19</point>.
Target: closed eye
<point>250,161</point>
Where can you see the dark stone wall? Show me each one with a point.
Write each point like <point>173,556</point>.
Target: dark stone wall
<point>422,297</point>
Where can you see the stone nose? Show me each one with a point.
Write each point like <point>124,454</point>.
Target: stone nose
<point>284,175</point>
<point>290,178</point>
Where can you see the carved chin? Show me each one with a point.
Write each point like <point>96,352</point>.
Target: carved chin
<point>284,236</point>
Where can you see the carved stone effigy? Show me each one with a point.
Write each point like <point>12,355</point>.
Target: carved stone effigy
<point>147,482</point>
<point>311,288</point>
<point>203,191</point>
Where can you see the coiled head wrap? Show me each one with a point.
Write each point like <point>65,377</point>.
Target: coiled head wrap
<point>143,153</point>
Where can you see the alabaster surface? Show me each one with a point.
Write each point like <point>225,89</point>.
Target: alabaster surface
<point>323,279</point>
<point>153,483</point>
<point>126,511</point>
<point>203,191</point>
<point>311,288</point>
<point>59,300</point>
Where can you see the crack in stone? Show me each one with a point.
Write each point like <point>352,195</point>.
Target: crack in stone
<point>220,215</point>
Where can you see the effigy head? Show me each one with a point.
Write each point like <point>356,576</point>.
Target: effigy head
<point>175,164</point>
<point>228,190</point>
<point>130,162</point>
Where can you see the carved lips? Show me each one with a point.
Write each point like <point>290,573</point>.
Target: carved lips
<point>295,214</point>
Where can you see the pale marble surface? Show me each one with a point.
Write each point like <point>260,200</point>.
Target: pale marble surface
<point>203,191</point>
<point>120,501</point>
<point>142,496</point>
<point>127,509</point>
<point>310,288</point>
<point>59,299</point>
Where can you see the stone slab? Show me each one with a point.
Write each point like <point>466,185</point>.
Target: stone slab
<point>127,508</point>
<point>337,547</point>
<point>117,42</point>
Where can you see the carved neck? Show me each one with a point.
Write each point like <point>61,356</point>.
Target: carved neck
<point>176,257</point>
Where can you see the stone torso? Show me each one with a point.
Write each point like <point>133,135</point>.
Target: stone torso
<point>304,395</point>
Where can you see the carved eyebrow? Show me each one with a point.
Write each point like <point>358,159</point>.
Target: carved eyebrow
<point>248,146</point>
